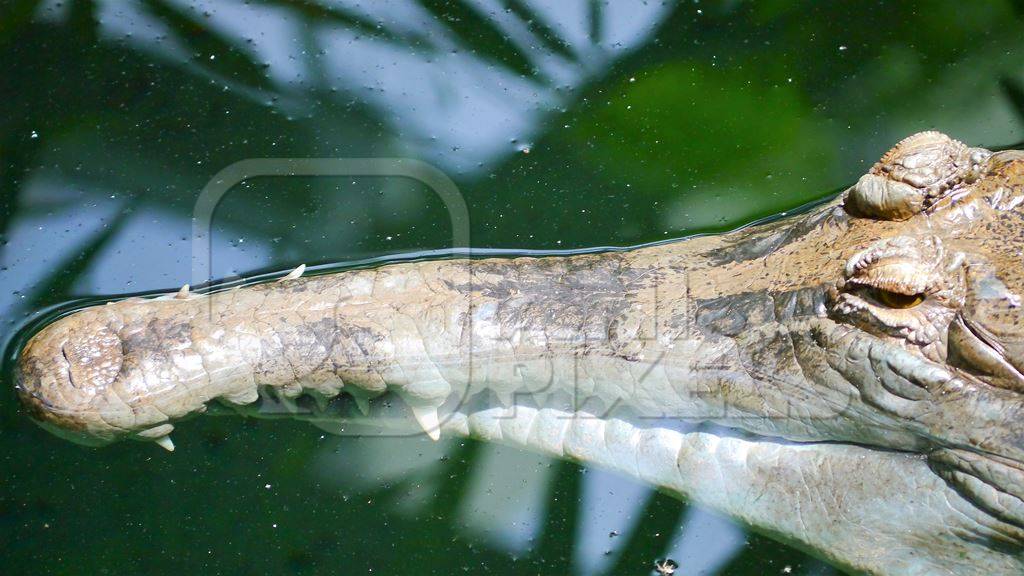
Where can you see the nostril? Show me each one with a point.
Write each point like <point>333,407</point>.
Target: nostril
<point>972,348</point>
<point>64,353</point>
<point>94,357</point>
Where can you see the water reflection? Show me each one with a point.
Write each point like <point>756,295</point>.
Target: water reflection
<point>450,102</point>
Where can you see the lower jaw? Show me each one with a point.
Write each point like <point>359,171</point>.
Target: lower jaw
<point>774,486</point>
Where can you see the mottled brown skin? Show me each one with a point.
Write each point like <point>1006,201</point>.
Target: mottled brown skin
<point>867,357</point>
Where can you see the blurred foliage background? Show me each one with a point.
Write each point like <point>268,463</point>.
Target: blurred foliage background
<point>564,124</point>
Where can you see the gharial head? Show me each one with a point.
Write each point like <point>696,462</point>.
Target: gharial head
<point>924,318</point>
<point>904,294</point>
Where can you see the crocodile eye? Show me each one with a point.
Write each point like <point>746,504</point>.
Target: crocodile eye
<point>896,299</point>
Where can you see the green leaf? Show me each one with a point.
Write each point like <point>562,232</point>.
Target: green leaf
<point>594,30</point>
<point>319,13</point>
<point>14,15</point>
<point>1018,7</point>
<point>561,524</point>
<point>59,284</point>
<point>82,17</point>
<point>659,520</point>
<point>480,35</point>
<point>17,155</point>
<point>544,33</point>
<point>1014,91</point>
<point>762,555</point>
<point>457,475</point>
<point>209,49</point>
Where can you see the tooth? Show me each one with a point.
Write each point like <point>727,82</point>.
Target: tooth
<point>427,419</point>
<point>294,273</point>
<point>165,443</point>
<point>247,396</point>
<point>183,293</point>
<point>158,431</point>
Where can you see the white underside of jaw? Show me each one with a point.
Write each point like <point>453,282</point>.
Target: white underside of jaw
<point>869,510</point>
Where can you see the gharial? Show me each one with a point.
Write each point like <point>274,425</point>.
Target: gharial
<point>860,366</point>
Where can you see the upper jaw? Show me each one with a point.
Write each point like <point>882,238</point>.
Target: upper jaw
<point>939,401</point>
<point>969,430</point>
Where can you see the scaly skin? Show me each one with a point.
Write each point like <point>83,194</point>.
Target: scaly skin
<point>861,362</point>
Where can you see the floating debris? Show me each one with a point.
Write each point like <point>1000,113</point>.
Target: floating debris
<point>665,567</point>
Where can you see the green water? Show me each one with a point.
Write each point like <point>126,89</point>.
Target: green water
<point>562,125</point>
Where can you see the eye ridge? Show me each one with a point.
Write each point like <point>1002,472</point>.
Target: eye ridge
<point>896,300</point>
